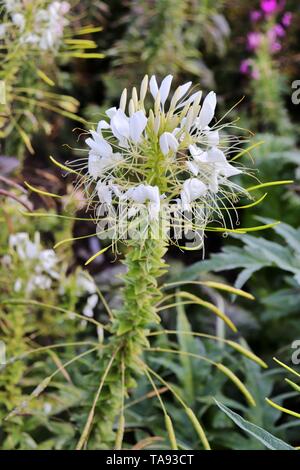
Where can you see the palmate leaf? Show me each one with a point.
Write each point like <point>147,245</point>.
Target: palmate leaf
<point>290,234</point>
<point>267,439</point>
<point>256,253</point>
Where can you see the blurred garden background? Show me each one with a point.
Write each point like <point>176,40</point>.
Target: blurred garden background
<point>54,310</point>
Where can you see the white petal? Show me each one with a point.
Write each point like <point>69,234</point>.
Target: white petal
<point>120,125</point>
<point>137,124</point>
<point>193,168</point>
<point>111,112</point>
<point>104,193</point>
<point>213,183</point>
<point>193,189</point>
<point>102,125</point>
<point>95,166</point>
<point>167,141</point>
<point>216,155</point>
<point>99,145</point>
<point>183,89</point>
<point>165,88</point>
<point>190,100</point>
<point>213,137</point>
<point>163,143</point>
<point>153,86</point>
<point>208,110</point>
<point>173,143</point>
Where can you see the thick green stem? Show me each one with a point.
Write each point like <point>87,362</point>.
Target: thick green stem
<point>141,292</point>
<point>131,324</point>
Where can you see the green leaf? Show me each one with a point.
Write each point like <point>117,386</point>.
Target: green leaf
<point>270,441</point>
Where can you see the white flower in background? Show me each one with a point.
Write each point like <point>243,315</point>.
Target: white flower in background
<point>42,268</point>
<point>162,154</point>
<point>44,27</point>
<point>19,20</point>
<point>91,303</point>
<point>40,264</point>
<point>86,285</point>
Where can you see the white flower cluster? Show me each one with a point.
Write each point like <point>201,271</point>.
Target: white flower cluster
<point>40,27</point>
<point>42,268</point>
<point>40,264</point>
<point>166,154</point>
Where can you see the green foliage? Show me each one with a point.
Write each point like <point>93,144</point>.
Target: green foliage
<point>270,442</point>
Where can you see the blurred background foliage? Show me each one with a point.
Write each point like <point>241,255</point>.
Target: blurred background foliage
<point>207,42</point>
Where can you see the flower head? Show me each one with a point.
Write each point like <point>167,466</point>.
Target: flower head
<point>171,153</point>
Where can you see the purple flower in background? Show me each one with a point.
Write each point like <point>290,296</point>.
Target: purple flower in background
<point>279,30</point>
<point>287,19</point>
<point>245,66</point>
<point>253,40</point>
<point>268,6</point>
<point>255,16</point>
<point>275,46</point>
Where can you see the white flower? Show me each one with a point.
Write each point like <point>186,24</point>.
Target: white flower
<point>99,145</point>
<point>101,155</point>
<point>192,190</point>
<point>36,260</point>
<point>154,147</point>
<point>46,25</point>
<point>18,285</point>
<point>48,260</point>
<point>104,191</point>
<point>127,128</point>
<point>210,165</point>
<point>85,284</point>
<point>19,20</point>
<point>90,305</point>
<point>146,194</point>
<point>39,281</point>
<point>168,142</point>
<point>24,247</point>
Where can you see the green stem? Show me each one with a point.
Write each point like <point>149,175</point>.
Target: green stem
<point>130,328</point>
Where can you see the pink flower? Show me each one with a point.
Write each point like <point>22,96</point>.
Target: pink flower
<point>275,46</point>
<point>279,31</point>
<point>268,6</point>
<point>253,40</point>
<point>287,19</point>
<point>245,66</point>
